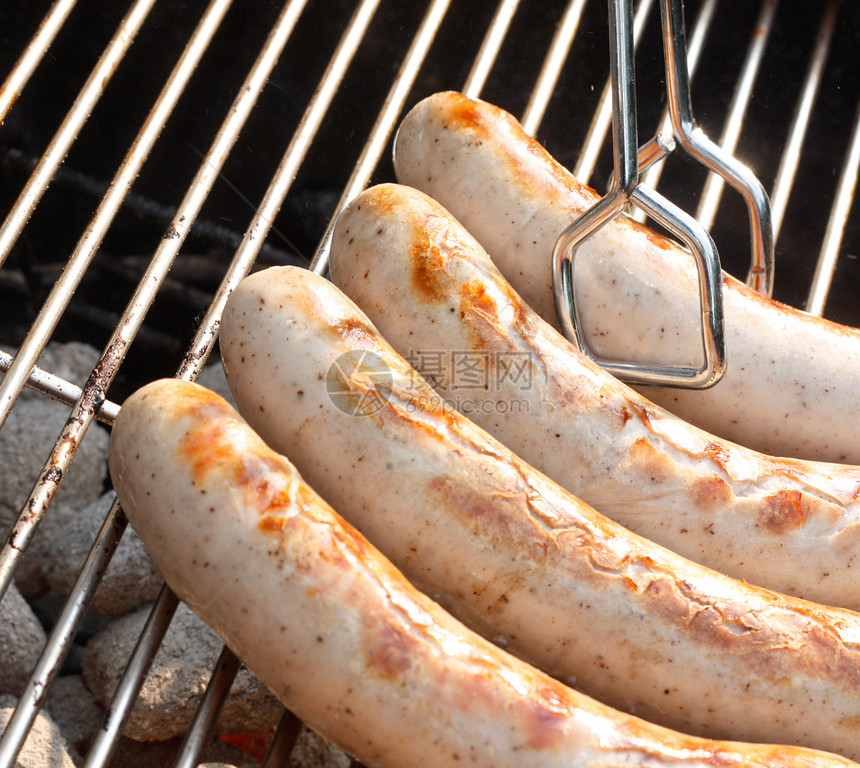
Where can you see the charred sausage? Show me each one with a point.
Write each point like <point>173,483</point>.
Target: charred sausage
<point>335,631</point>
<point>511,553</point>
<point>792,386</point>
<point>786,524</point>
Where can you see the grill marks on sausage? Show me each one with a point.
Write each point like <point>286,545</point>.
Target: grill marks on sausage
<point>488,126</point>
<point>495,516</point>
<point>711,492</point>
<point>218,442</point>
<point>762,630</point>
<point>432,248</point>
<point>784,511</point>
<point>354,329</point>
<point>390,650</point>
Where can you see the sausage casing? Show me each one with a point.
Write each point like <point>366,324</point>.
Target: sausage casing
<point>792,385</point>
<point>511,553</point>
<point>335,631</point>
<point>785,524</point>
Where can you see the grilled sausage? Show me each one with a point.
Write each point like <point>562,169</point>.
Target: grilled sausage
<point>336,632</point>
<point>786,524</point>
<point>511,553</point>
<point>792,386</point>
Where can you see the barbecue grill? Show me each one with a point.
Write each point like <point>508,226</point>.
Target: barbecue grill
<point>154,153</point>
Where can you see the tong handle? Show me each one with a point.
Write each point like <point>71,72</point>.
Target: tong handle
<point>710,154</point>
<point>704,251</point>
<point>624,188</point>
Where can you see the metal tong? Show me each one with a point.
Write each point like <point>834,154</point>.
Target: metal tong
<point>625,188</point>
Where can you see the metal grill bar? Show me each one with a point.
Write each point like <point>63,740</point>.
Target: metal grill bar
<point>68,131</point>
<point>48,317</point>
<point>826,265</point>
<point>89,403</point>
<point>105,743</point>
<point>60,640</point>
<point>85,251</point>
<point>385,123</point>
<point>551,69</point>
<point>713,190</point>
<point>283,741</point>
<point>60,389</point>
<point>791,155</point>
<point>207,713</point>
<point>84,411</point>
<point>33,54</point>
<point>490,48</point>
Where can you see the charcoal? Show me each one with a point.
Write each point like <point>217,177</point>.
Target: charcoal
<point>26,441</point>
<point>45,746</point>
<point>313,751</point>
<point>75,711</point>
<point>21,640</point>
<point>176,680</point>
<point>131,579</point>
<point>214,378</point>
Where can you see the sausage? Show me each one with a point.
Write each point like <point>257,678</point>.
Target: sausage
<point>792,384</point>
<point>509,552</point>
<point>335,630</point>
<point>786,524</point>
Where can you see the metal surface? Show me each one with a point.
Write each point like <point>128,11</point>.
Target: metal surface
<point>384,125</point>
<point>696,143</point>
<point>516,53</point>
<point>826,264</point>
<point>625,188</point>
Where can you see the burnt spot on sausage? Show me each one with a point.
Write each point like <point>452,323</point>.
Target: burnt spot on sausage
<point>356,330</point>
<point>435,242</point>
<point>495,129</point>
<point>463,111</point>
<point>774,640</point>
<point>389,649</point>
<point>711,492</point>
<point>427,264</point>
<point>717,451</point>
<point>476,298</point>
<point>484,512</point>
<point>784,511</point>
<point>203,449</point>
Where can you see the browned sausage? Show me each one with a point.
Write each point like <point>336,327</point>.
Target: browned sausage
<point>792,386</point>
<point>505,549</point>
<point>336,632</point>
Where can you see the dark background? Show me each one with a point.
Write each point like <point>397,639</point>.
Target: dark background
<point>72,198</point>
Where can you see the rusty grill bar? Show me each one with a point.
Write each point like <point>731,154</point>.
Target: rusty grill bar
<point>526,57</point>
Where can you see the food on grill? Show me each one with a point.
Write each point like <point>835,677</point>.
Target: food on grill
<point>504,548</point>
<point>792,386</point>
<point>336,631</point>
<point>786,524</point>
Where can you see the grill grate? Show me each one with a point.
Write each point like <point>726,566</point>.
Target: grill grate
<point>778,85</point>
